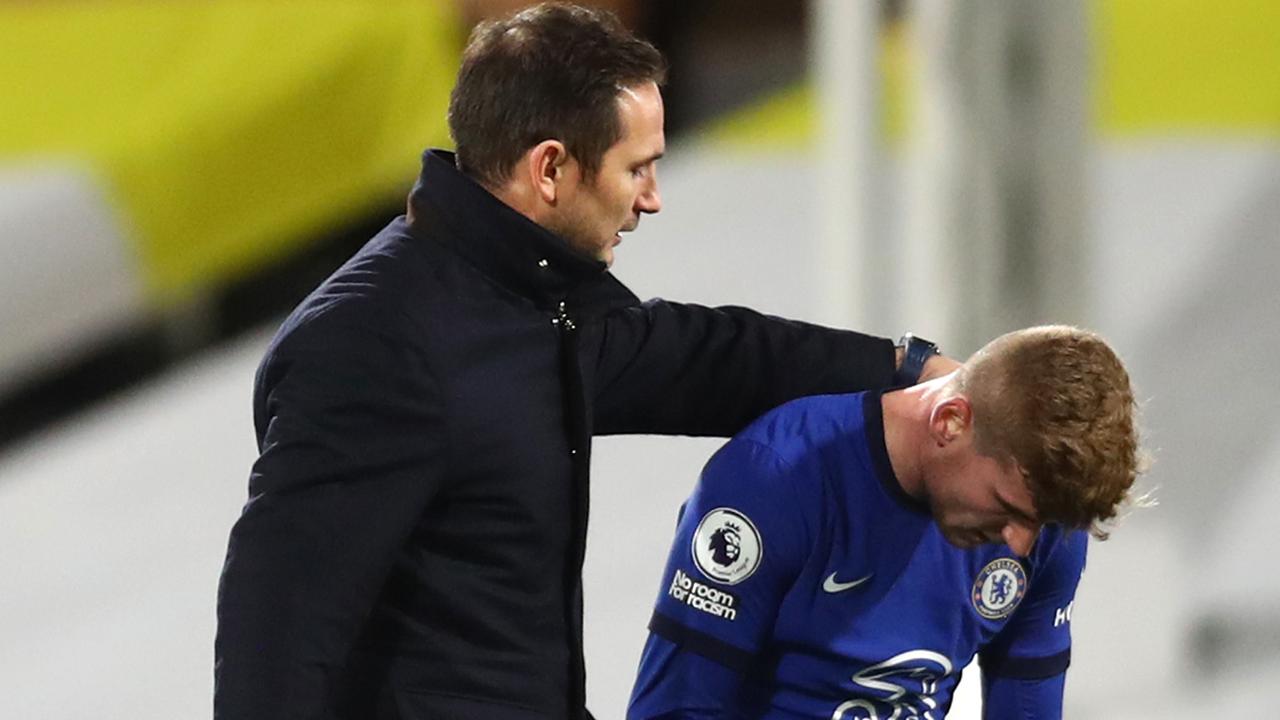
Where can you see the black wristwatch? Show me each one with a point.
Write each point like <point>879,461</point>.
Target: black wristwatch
<point>916,351</point>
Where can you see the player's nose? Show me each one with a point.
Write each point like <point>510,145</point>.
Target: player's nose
<point>1020,538</point>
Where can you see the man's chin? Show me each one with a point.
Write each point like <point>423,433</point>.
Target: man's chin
<point>602,254</point>
<point>961,540</point>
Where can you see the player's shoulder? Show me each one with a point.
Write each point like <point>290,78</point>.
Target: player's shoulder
<point>806,426</point>
<point>1056,538</point>
<point>1060,550</point>
<point>786,455</point>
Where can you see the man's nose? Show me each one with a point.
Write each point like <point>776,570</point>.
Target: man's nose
<point>1020,538</point>
<point>650,200</point>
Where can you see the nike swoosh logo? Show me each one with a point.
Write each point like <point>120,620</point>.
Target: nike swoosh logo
<point>831,586</point>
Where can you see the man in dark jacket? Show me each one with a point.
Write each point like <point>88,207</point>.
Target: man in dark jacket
<point>413,542</point>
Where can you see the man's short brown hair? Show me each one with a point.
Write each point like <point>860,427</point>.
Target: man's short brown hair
<point>552,71</point>
<point>1057,401</point>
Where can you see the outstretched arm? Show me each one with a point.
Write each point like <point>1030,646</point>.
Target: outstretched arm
<point>674,368</point>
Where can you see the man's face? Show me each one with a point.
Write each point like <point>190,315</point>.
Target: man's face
<point>595,211</point>
<point>976,499</point>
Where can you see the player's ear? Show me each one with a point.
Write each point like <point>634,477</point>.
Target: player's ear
<point>950,419</point>
<point>548,164</point>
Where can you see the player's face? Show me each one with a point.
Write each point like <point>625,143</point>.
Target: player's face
<point>979,500</point>
<point>597,210</point>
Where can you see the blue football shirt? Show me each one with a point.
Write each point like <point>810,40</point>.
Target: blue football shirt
<point>804,583</point>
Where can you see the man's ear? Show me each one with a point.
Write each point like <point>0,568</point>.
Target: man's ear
<point>950,420</point>
<point>548,163</point>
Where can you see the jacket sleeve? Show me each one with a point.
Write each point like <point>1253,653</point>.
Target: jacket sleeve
<point>351,439</point>
<point>673,368</point>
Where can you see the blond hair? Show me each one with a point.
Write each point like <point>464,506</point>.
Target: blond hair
<point>1056,400</point>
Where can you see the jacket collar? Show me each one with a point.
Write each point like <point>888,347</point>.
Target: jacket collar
<point>519,254</point>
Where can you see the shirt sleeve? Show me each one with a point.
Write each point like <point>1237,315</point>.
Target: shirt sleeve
<point>1024,699</point>
<point>1024,668</point>
<point>351,444</point>
<point>741,541</point>
<point>675,368</point>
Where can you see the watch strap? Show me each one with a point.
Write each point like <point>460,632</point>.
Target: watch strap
<point>916,351</point>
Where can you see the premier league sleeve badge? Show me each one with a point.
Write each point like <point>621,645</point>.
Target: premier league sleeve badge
<point>727,546</point>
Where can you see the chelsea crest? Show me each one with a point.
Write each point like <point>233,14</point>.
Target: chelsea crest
<point>999,588</point>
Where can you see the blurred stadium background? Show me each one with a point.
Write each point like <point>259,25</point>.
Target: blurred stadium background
<point>173,176</point>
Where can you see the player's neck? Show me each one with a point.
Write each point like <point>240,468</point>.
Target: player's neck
<point>906,430</point>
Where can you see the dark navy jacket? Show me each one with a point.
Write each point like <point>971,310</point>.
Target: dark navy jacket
<point>413,541</point>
